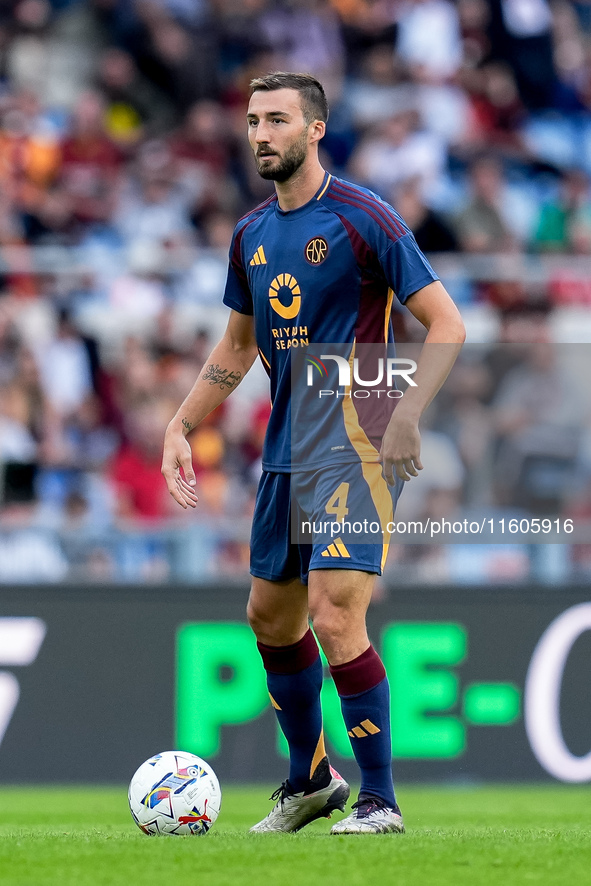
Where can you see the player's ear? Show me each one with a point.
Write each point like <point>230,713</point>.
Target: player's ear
<point>316,130</point>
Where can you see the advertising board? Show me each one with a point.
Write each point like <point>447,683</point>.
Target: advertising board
<point>487,685</point>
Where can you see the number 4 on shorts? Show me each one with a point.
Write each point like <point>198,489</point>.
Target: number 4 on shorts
<point>337,503</point>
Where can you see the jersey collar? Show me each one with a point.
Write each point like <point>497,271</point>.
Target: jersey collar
<point>307,207</point>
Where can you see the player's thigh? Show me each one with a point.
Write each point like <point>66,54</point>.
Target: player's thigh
<point>348,590</point>
<point>278,610</point>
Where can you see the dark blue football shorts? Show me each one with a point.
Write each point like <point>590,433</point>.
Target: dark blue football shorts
<point>329,518</point>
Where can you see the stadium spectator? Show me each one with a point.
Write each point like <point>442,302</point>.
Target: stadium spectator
<point>538,437</point>
<point>564,224</point>
<point>520,33</point>
<point>481,225</point>
<point>28,391</point>
<point>431,231</point>
<point>180,61</point>
<point>51,222</point>
<point>203,144</point>
<point>302,35</point>
<point>17,443</point>
<point>396,150</point>
<point>136,108</point>
<point>9,344</point>
<point>135,468</point>
<point>90,161</point>
<point>375,89</point>
<point>497,112</point>
<point>29,152</point>
<point>428,41</point>
<point>65,368</point>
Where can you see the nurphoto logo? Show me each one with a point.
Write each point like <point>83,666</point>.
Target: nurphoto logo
<point>388,371</point>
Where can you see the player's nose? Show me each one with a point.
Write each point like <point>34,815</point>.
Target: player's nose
<point>262,134</point>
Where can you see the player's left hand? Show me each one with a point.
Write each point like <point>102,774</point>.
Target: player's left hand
<point>177,467</point>
<point>400,450</point>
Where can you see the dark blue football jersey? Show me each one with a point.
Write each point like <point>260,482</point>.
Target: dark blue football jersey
<point>323,273</point>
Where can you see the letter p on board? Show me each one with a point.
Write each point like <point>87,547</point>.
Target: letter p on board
<point>219,681</point>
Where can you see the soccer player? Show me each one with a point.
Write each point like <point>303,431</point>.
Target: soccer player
<point>318,262</point>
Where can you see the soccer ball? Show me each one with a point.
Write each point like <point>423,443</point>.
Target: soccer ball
<point>175,793</point>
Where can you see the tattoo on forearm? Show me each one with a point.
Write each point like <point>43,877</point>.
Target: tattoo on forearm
<point>225,378</point>
<point>186,424</point>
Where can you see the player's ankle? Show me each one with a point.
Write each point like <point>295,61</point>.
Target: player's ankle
<point>387,803</point>
<point>321,776</point>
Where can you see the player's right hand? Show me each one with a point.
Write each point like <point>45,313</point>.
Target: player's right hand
<point>177,469</point>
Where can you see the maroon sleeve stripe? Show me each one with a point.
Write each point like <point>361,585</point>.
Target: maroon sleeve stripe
<point>378,205</point>
<point>388,222</point>
<point>364,255</point>
<point>376,218</point>
<point>236,253</point>
<point>259,208</point>
<point>237,256</point>
<point>370,203</point>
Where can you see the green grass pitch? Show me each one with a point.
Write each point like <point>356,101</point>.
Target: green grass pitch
<point>84,836</point>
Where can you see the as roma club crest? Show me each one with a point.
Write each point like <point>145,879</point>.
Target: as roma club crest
<point>316,250</point>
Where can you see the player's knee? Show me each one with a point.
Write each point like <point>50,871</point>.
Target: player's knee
<point>257,619</point>
<point>328,627</point>
<point>266,628</point>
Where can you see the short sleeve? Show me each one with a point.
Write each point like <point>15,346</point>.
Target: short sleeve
<point>237,294</point>
<point>383,241</point>
<point>405,267</point>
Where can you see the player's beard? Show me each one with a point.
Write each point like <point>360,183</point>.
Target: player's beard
<point>291,161</point>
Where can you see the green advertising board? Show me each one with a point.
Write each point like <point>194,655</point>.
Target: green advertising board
<point>485,684</point>
<point>220,682</point>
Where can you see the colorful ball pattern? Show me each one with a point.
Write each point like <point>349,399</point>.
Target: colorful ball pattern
<point>175,793</point>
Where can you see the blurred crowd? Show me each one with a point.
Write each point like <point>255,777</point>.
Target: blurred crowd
<point>506,446</point>
<point>123,168</point>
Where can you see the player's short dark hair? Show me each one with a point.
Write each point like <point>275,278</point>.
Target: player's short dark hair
<point>312,96</point>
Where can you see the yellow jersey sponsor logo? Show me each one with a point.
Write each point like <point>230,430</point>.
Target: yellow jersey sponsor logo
<point>285,281</point>
<point>287,337</point>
